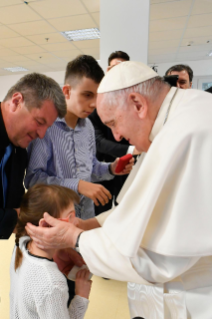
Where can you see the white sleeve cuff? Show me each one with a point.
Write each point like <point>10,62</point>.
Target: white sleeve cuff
<point>130,149</point>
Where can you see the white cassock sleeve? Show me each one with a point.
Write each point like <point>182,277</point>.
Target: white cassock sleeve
<point>104,260</point>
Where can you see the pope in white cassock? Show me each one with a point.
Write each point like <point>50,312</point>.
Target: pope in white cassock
<point>159,238</point>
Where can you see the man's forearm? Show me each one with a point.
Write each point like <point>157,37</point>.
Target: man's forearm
<point>88,224</point>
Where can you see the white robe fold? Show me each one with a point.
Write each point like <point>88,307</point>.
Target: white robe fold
<point>159,238</point>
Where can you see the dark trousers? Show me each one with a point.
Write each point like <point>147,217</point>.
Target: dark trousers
<point>114,186</point>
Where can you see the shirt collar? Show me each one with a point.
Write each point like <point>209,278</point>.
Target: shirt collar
<point>162,114</point>
<point>3,133</point>
<point>80,123</point>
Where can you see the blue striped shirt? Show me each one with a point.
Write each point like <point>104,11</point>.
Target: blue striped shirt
<point>64,157</point>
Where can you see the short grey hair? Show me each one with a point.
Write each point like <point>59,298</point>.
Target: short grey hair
<point>37,88</point>
<point>149,89</point>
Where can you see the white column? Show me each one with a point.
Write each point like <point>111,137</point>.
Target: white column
<point>124,25</point>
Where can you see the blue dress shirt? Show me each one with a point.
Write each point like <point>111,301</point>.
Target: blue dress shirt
<point>64,157</point>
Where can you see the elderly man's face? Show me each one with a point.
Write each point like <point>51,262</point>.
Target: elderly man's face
<point>183,81</point>
<point>26,125</point>
<point>125,123</point>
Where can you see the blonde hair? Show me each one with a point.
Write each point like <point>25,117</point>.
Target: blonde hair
<point>39,199</point>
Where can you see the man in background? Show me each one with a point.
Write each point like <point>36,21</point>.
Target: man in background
<point>29,108</point>
<point>107,147</point>
<point>185,75</point>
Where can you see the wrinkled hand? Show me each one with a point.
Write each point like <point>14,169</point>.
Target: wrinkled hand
<point>96,192</point>
<point>126,170</point>
<point>82,284</point>
<point>60,234</point>
<point>66,259</point>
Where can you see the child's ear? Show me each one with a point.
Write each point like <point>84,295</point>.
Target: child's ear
<point>43,223</point>
<point>72,215</point>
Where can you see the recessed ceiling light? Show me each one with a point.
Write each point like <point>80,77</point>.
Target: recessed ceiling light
<point>16,69</point>
<point>84,34</point>
<point>210,53</point>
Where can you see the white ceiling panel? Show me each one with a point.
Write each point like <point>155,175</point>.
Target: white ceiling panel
<point>53,9</point>
<point>198,32</point>
<point>15,42</point>
<point>196,48</point>
<point>170,9</point>
<point>165,35</point>
<point>41,69</point>
<point>167,24</point>
<point>29,50</point>
<point>31,28</point>
<point>161,58</point>
<point>200,20</point>
<point>58,46</point>
<point>164,44</point>
<point>73,23</point>
<point>160,51</point>
<point>70,54</point>
<point>202,6</point>
<point>17,14</point>
<point>191,55</point>
<point>6,64</point>
<point>4,72</point>
<point>42,38</point>
<point>4,3</point>
<point>16,59</point>
<point>7,52</point>
<point>197,41</point>
<point>92,5</point>
<point>59,65</point>
<point>96,18</point>
<point>87,44</point>
<point>6,33</point>
<point>41,58</point>
<point>31,64</point>
<point>92,51</point>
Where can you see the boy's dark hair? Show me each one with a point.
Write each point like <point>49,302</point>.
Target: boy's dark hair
<point>118,55</point>
<point>83,65</point>
<point>179,68</point>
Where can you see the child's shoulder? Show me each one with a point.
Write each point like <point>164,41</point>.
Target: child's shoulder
<point>41,269</point>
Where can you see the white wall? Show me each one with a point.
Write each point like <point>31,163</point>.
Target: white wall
<point>9,80</point>
<point>124,33</point>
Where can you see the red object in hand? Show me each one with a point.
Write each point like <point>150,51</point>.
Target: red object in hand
<point>123,161</point>
<point>64,219</point>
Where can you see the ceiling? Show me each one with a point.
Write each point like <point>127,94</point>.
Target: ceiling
<point>25,28</point>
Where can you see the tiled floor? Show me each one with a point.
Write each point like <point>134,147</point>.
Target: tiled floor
<point>108,299</point>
